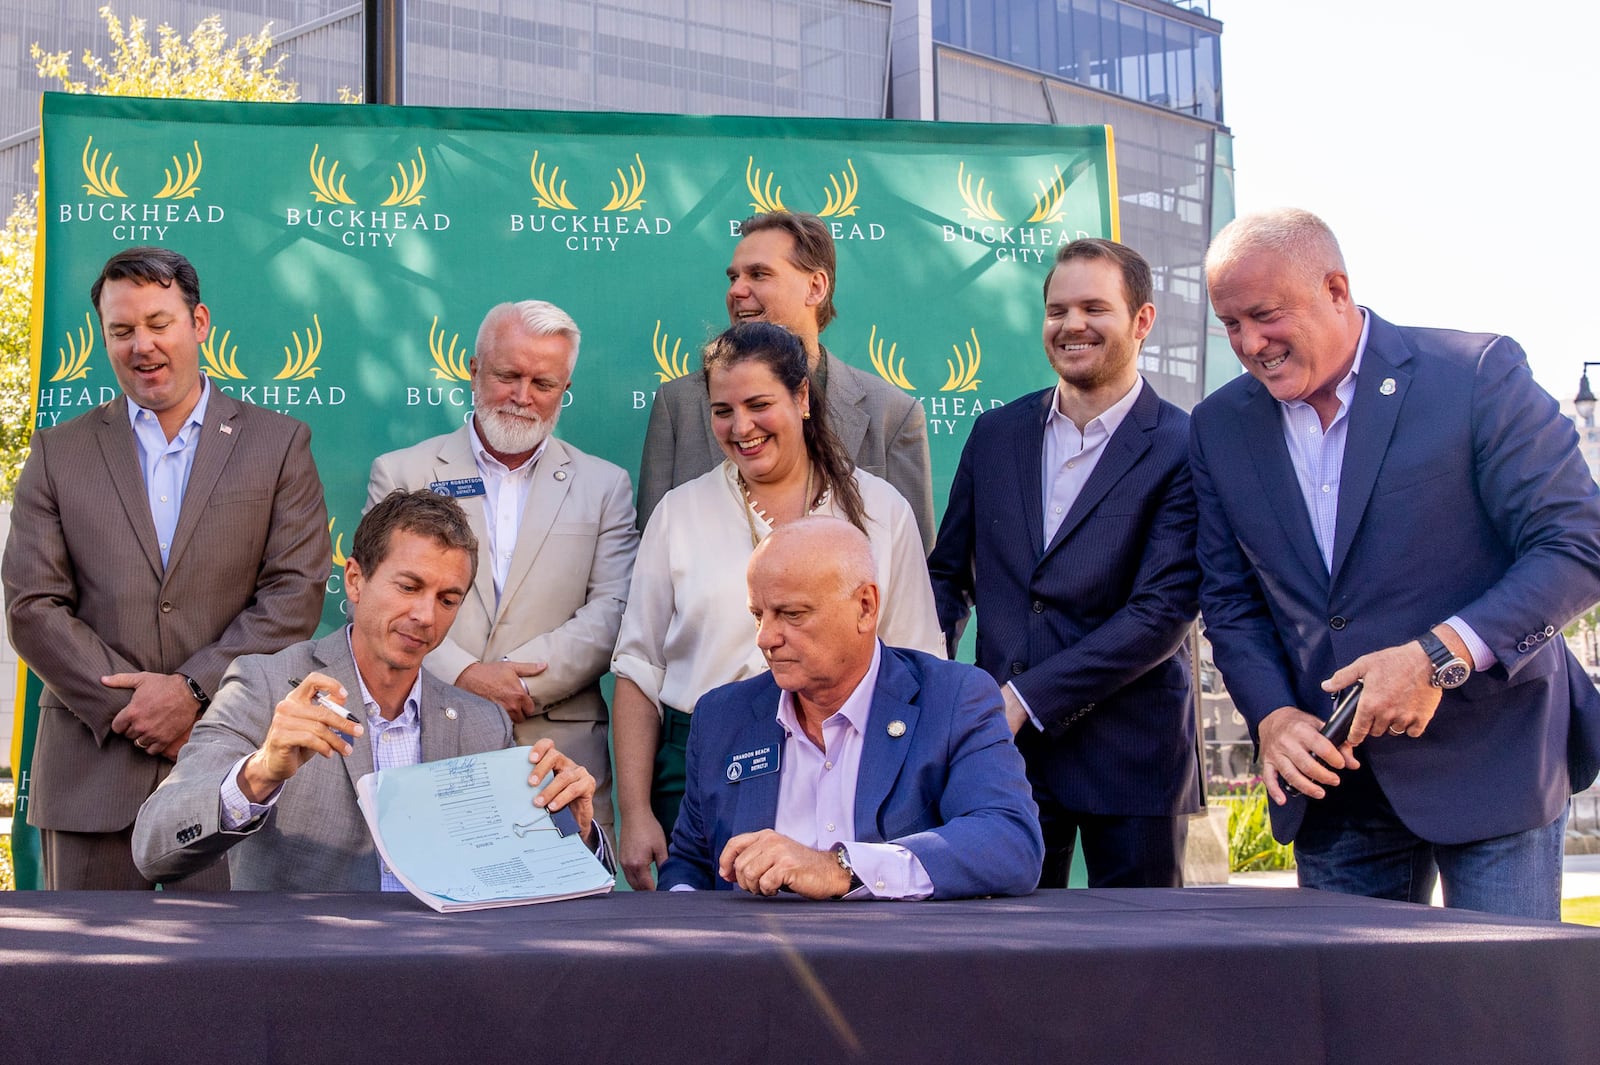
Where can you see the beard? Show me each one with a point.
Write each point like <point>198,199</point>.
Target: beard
<point>513,432</point>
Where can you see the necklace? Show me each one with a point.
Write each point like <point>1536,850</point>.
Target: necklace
<point>752,510</point>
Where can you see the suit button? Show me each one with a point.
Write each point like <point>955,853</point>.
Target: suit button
<point>1337,622</point>
<point>1038,607</point>
<point>1016,669</point>
<point>166,608</point>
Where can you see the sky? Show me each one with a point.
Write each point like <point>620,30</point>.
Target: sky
<point>1451,146</point>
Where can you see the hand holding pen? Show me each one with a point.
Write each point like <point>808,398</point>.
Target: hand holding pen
<point>310,720</point>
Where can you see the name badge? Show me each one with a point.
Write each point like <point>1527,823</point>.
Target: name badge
<point>752,764</point>
<point>460,488</point>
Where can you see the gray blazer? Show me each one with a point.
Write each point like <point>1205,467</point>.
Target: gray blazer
<point>881,428</point>
<point>314,838</point>
<point>87,595</point>
<point>568,579</point>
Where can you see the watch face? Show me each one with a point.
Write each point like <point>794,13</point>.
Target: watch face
<point>1452,675</point>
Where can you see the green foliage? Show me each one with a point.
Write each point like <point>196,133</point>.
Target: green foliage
<point>16,302</point>
<point>1251,847</point>
<point>205,66</point>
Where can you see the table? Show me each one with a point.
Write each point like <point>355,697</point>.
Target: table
<point>1144,976</point>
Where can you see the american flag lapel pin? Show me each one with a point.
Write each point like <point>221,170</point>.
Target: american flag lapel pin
<point>228,429</point>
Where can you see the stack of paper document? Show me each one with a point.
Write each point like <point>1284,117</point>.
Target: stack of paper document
<point>463,834</point>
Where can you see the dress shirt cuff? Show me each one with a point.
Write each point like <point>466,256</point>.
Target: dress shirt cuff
<point>1482,657</point>
<point>887,871</point>
<point>1025,707</point>
<point>681,887</point>
<point>238,811</point>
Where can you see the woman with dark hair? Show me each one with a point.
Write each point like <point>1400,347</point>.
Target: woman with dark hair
<point>687,626</point>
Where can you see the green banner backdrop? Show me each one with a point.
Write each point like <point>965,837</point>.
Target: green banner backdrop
<point>348,253</point>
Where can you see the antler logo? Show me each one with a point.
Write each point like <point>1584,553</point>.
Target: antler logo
<point>550,191</point>
<point>328,185</point>
<point>406,189</point>
<point>327,181</point>
<point>180,183</point>
<point>1047,204</point>
<point>964,367</point>
<point>888,369</point>
<point>338,545</point>
<point>102,175</point>
<point>672,365</point>
<point>301,364</point>
<point>73,364</point>
<point>449,364</point>
<point>839,199</point>
<point>221,361</point>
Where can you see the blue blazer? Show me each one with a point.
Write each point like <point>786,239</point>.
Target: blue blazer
<point>1462,492</point>
<point>1089,627</point>
<point>951,789</point>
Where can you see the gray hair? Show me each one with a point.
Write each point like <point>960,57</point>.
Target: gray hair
<point>1298,236</point>
<point>536,318</point>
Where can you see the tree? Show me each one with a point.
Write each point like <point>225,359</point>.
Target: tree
<point>203,66</point>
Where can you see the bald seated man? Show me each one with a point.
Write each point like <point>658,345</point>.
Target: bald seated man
<point>851,770</point>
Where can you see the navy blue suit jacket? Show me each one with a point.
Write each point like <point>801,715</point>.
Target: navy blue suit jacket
<point>951,788</point>
<point>1090,628</point>
<point>1462,493</point>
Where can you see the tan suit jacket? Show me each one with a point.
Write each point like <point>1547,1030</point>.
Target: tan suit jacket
<point>564,591</point>
<point>87,595</point>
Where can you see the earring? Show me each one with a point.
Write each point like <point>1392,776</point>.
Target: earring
<point>805,415</point>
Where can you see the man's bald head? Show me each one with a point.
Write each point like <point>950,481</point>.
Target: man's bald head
<point>814,595</point>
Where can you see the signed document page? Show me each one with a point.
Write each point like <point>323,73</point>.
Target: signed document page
<point>463,834</point>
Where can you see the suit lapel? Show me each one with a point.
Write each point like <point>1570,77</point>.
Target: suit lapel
<point>120,451</point>
<point>211,455</point>
<point>1372,420</point>
<point>1261,434</point>
<point>552,478</point>
<point>756,798</point>
<point>1125,448</point>
<point>441,733</point>
<point>1029,452</point>
<point>332,656</point>
<point>883,755</point>
<point>846,412</point>
<point>456,463</point>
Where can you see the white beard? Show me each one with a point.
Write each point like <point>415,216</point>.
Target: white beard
<point>513,434</point>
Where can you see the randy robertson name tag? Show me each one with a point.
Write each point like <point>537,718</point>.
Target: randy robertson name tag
<point>460,488</point>
<point>753,764</point>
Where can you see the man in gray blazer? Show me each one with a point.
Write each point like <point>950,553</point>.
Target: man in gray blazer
<point>273,786</point>
<point>556,540</point>
<point>153,540</point>
<point>783,272</point>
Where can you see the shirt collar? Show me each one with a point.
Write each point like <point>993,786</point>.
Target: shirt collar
<point>196,417</point>
<point>412,709</point>
<point>485,459</point>
<point>857,706</point>
<point>1110,419</point>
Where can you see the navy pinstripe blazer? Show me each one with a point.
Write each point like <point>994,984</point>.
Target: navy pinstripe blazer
<point>1089,627</point>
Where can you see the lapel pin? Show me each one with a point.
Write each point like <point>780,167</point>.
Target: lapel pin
<point>897,729</point>
<point>1387,388</point>
<point>561,475</point>
<point>450,712</point>
<point>227,430</point>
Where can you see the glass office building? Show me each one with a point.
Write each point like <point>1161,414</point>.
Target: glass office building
<point>1149,68</point>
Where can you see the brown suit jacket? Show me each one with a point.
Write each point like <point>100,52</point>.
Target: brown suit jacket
<point>86,593</point>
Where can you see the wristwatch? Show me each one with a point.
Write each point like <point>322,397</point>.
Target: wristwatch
<point>1448,670</point>
<point>843,859</point>
<point>197,692</point>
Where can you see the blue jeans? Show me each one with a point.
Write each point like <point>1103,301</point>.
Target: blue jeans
<point>1371,853</point>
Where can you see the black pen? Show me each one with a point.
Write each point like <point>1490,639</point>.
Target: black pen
<point>320,697</point>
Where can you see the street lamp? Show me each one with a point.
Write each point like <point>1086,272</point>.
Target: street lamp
<point>1583,402</point>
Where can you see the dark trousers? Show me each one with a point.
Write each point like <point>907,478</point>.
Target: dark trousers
<point>1117,851</point>
<point>103,861</point>
<point>666,788</point>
